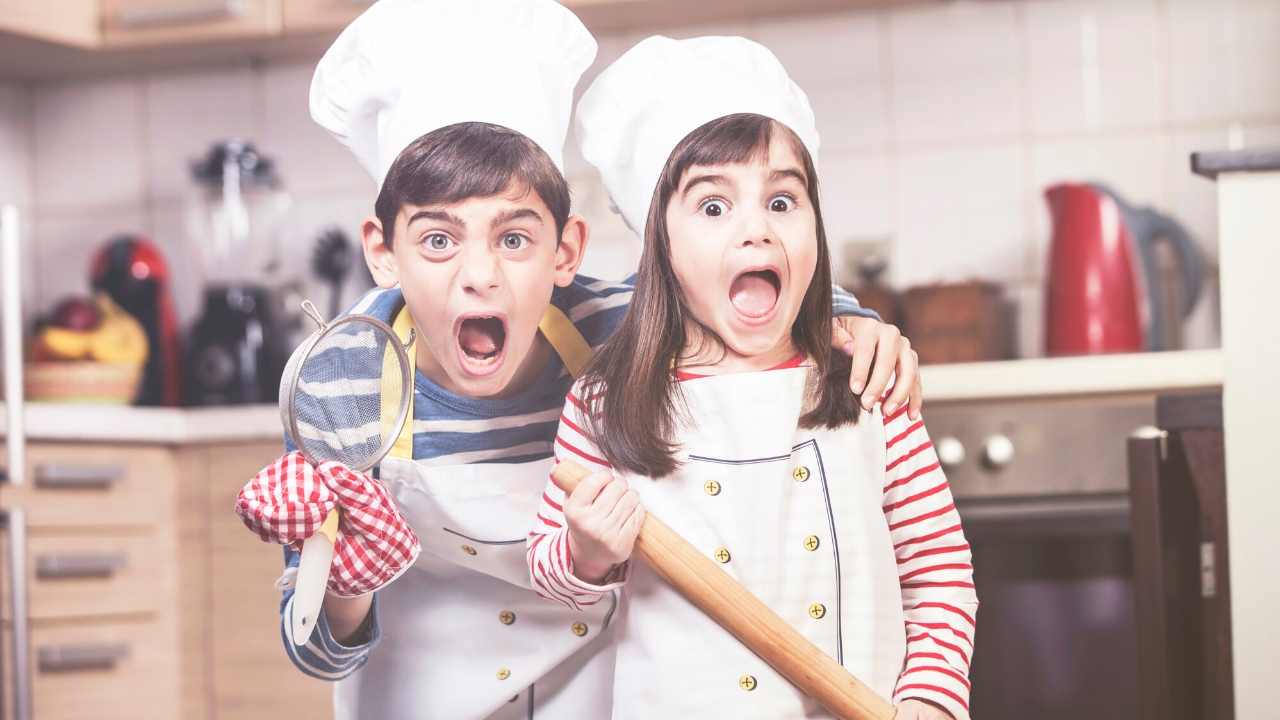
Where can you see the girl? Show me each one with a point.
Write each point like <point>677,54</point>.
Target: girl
<point>718,405</point>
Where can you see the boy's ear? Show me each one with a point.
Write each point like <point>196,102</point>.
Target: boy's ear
<point>570,250</point>
<point>379,258</point>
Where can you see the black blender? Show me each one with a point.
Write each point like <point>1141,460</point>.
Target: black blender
<point>240,343</point>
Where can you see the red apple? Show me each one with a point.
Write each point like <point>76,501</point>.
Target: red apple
<point>76,314</point>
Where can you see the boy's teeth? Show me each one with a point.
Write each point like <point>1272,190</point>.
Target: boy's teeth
<point>481,337</point>
<point>753,294</point>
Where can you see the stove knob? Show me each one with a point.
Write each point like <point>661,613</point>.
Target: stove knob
<point>950,451</point>
<point>997,451</point>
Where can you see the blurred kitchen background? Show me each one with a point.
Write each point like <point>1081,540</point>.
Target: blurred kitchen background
<point>172,190</point>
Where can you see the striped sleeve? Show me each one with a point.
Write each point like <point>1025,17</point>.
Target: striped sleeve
<point>935,570</point>
<point>547,550</point>
<point>844,304</point>
<point>323,657</point>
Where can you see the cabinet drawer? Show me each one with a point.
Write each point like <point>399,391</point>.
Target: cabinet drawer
<point>94,486</point>
<point>173,22</point>
<point>88,576</point>
<point>107,671</point>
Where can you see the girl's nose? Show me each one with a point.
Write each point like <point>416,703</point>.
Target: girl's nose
<point>756,230</point>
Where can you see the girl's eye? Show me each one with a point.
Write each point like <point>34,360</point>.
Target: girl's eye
<point>438,242</point>
<point>782,203</point>
<point>714,208</point>
<point>512,241</point>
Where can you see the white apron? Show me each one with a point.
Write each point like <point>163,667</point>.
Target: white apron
<point>464,635</point>
<point>793,514</point>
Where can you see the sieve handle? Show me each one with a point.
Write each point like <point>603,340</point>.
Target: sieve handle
<point>313,578</point>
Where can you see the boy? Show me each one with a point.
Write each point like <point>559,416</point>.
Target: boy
<point>459,110</point>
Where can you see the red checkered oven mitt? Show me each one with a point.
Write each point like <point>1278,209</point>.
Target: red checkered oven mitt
<point>288,500</point>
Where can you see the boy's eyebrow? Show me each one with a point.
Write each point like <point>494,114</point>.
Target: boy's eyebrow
<point>710,179</point>
<point>438,215</point>
<point>786,173</point>
<point>507,216</point>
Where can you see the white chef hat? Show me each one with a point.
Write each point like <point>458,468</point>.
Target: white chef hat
<point>648,100</point>
<point>407,67</point>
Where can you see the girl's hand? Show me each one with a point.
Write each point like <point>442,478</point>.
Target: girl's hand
<point>604,518</point>
<point>868,339</point>
<point>920,710</point>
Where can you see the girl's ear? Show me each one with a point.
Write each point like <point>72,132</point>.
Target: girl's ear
<point>380,259</point>
<point>570,250</point>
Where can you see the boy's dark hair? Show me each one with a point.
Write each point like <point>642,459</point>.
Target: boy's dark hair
<point>470,159</point>
<point>633,417</point>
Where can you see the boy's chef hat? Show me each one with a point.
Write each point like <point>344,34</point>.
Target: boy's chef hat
<point>407,67</point>
<point>646,102</point>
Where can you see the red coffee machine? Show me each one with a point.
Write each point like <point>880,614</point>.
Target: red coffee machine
<point>1106,292</point>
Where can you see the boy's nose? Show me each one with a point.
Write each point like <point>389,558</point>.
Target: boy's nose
<point>480,273</point>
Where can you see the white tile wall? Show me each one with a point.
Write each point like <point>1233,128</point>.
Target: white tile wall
<point>941,125</point>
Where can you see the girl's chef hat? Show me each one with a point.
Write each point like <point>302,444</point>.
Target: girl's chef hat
<point>407,67</point>
<point>646,102</point>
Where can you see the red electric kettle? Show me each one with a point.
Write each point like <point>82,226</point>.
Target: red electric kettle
<point>1105,290</point>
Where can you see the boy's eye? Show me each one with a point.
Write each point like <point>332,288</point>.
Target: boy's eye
<point>437,241</point>
<point>782,203</point>
<point>512,241</point>
<point>714,208</point>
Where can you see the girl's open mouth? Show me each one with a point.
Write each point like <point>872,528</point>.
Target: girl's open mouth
<point>481,340</point>
<point>754,294</point>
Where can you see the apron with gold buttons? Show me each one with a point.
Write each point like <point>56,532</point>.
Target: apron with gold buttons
<point>464,635</point>
<point>795,516</point>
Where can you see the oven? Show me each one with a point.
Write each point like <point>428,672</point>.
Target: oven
<point>1061,533</point>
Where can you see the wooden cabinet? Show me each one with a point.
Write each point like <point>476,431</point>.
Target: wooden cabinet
<point>146,596</point>
<point>174,22</point>
<point>306,16</point>
<point>74,22</point>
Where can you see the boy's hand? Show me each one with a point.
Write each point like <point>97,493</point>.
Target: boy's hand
<point>920,710</point>
<point>288,500</point>
<point>867,340</point>
<point>604,518</point>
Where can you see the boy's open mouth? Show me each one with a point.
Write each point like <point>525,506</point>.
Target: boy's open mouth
<point>481,339</point>
<point>754,293</point>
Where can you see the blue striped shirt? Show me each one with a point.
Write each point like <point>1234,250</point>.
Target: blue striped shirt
<point>451,429</point>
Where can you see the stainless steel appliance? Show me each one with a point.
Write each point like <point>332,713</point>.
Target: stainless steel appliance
<point>1062,546</point>
<point>12,518</point>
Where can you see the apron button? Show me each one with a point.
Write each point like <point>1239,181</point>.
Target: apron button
<point>817,611</point>
<point>811,543</point>
<point>578,629</point>
<point>712,487</point>
<point>800,474</point>
<point>468,550</point>
<point>506,617</point>
<point>503,673</point>
<point>722,554</point>
<point>747,682</point>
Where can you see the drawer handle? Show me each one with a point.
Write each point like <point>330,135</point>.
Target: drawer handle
<point>71,566</point>
<point>78,658</point>
<point>159,15</point>
<point>77,477</point>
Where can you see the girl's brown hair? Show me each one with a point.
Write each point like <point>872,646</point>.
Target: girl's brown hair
<point>632,397</point>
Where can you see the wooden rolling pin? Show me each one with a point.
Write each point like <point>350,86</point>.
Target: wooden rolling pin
<point>724,600</point>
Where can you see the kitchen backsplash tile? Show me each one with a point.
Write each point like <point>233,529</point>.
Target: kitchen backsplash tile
<point>90,145</point>
<point>186,113</point>
<point>941,125</point>
<point>15,145</point>
<point>308,157</point>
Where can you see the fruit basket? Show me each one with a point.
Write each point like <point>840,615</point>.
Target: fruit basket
<point>82,382</point>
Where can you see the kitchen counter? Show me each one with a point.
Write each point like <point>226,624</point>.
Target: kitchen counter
<point>1090,375</point>
<point>1083,375</point>
<point>177,426</point>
